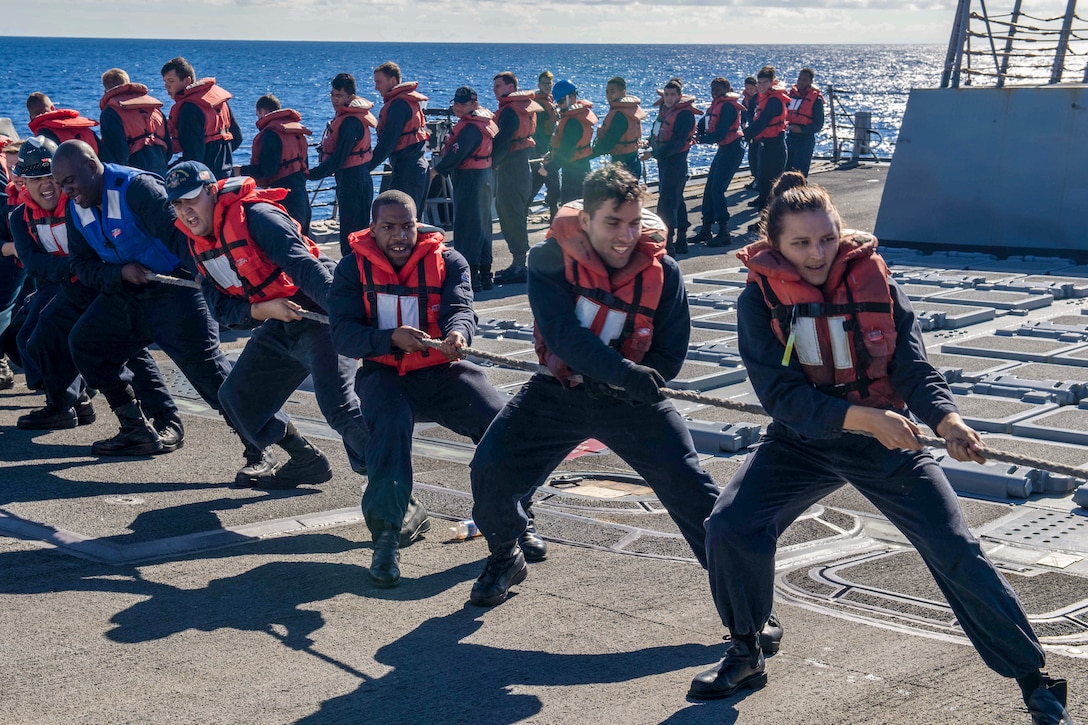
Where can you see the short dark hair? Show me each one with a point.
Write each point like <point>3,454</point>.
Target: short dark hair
<point>611,182</point>
<point>617,81</point>
<point>721,82</point>
<point>344,82</point>
<point>390,69</point>
<point>268,102</point>
<point>809,72</point>
<point>390,198</point>
<point>675,84</point>
<point>114,77</point>
<point>766,71</point>
<point>181,67</point>
<point>507,77</point>
<point>37,103</point>
<point>750,81</point>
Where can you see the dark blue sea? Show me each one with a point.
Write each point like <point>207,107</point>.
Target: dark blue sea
<point>874,78</point>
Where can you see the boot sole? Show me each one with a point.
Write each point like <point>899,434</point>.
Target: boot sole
<point>135,451</point>
<point>65,425</point>
<point>273,483</point>
<point>500,598</point>
<point>382,583</point>
<point>171,448</point>
<point>769,646</point>
<point>407,538</point>
<point>755,682</point>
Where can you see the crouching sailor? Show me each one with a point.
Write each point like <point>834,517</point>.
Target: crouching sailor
<point>400,285</point>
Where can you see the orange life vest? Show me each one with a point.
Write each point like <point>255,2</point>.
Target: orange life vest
<point>799,110</point>
<point>481,157</point>
<point>411,295</point>
<point>581,113</point>
<point>361,152</point>
<point>666,119</point>
<point>142,122</point>
<point>629,107</point>
<point>777,125</point>
<point>230,258</point>
<point>211,99</point>
<point>67,124</point>
<point>548,116</point>
<point>285,123</point>
<point>523,104</point>
<point>47,227</point>
<point>713,116</point>
<point>843,333</point>
<point>416,129</point>
<point>617,305</point>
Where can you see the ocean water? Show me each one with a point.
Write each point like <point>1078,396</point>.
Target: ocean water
<point>875,78</point>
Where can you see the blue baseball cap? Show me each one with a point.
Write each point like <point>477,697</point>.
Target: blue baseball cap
<point>185,180</point>
<point>562,89</point>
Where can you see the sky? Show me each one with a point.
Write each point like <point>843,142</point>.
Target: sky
<point>545,21</point>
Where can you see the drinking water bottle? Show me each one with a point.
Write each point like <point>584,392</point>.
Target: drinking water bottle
<point>462,530</point>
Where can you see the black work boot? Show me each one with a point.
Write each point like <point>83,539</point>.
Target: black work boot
<point>307,464</point>
<point>532,546</point>
<point>384,568</point>
<point>704,234</point>
<point>1046,703</point>
<point>171,432</point>
<point>721,239</point>
<point>48,418</point>
<point>770,637</point>
<point>682,240</point>
<point>136,437</point>
<point>505,567</point>
<point>85,414</point>
<point>487,280</point>
<point>474,275</point>
<point>416,522</point>
<point>259,464</point>
<point>742,668</point>
<point>7,377</point>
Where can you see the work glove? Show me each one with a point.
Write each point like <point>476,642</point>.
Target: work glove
<point>643,384</point>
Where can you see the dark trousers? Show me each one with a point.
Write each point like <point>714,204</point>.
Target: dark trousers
<point>513,182</point>
<point>29,314</point>
<point>457,396</point>
<point>783,477</point>
<point>799,148</point>
<point>472,215</point>
<point>672,175</point>
<point>544,422</point>
<point>753,159</point>
<point>48,346</point>
<point>722,170</point>
<point>772,162</point>
<point>275,361</point>
<point>573,179</point>
<point>12,277</point>
<point>354,194</point>
<point>408,173</point>
<point>549,181</point>
<point>631,162</point>
<point>118,325</point>
<point>297,201</point>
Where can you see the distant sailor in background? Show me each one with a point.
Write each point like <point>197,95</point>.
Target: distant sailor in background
<point>721,126</point>
<point>768,131</point>
<point>280,157</point>
<point>672,137</point>
<point>750,98</point>
<point>402,133</point>
<point>620,134</point>
<point>546,120</point>
<point>572,143</point>
<point>134,131</point>
<point>805,119</point>
<point>202,128</point>
<point>59,124</point>
<point>12,276</point>
<point>345,151</point>
<point>466,158</point>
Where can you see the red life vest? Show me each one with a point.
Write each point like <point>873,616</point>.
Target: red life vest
<point>629,107</point>
<point>285,123</point>
<point>548,116</point>
<point>777,125</point>
<point>715,113</point>
<point>211,99</point>
<point>67,124</point>
<point>523,104</point>
<point>843,333</point>
<point>411,295</point>
<point>799,110</point>
<point>230,258</point>
<point>617,305</point>
<point>361,153</point>
<point>416,129</point>
<point>666,119</point>
<point>581,113</point>
<point>47,227</point>
<point>481,157</point>
<point>142,122</point>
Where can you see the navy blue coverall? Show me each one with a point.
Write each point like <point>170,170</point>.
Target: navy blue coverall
<point>513,185</point>
<point>672,174</point>
<point>604,144</point>
<point>216,154</point>
<point>354,187</point>
<point>471,198</point>
<point>297,202</point>
<point>408,167</point>
<point>772,151</point>
<point>114,147</point>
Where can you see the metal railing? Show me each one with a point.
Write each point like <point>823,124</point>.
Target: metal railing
<point>850,130</point>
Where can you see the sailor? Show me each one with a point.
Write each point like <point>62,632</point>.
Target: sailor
<point>280,157</point>
<point>750,99</point>
<point>134,130</point>
<point>805,119</point>
<point>202,128</point>
<point>672,136</point>
<point>466,158</point>
<point>620,133</point>
<point>12,275</point>
<point>572,143</point>
<point>260,273</point>
<point>402,133</point>
<point>722,127</point>
<point>823,390</point>
<point>512,149</point>
<point>40,234</point>
<point>59,124</point>
<point>612,326</point>
<point>120,229</point>
<point>402,284</point>
<point>345,152</point>
<point>768,131</point>
<point>547,118</point>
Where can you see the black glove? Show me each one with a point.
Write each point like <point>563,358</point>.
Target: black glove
<point>643,384</point>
